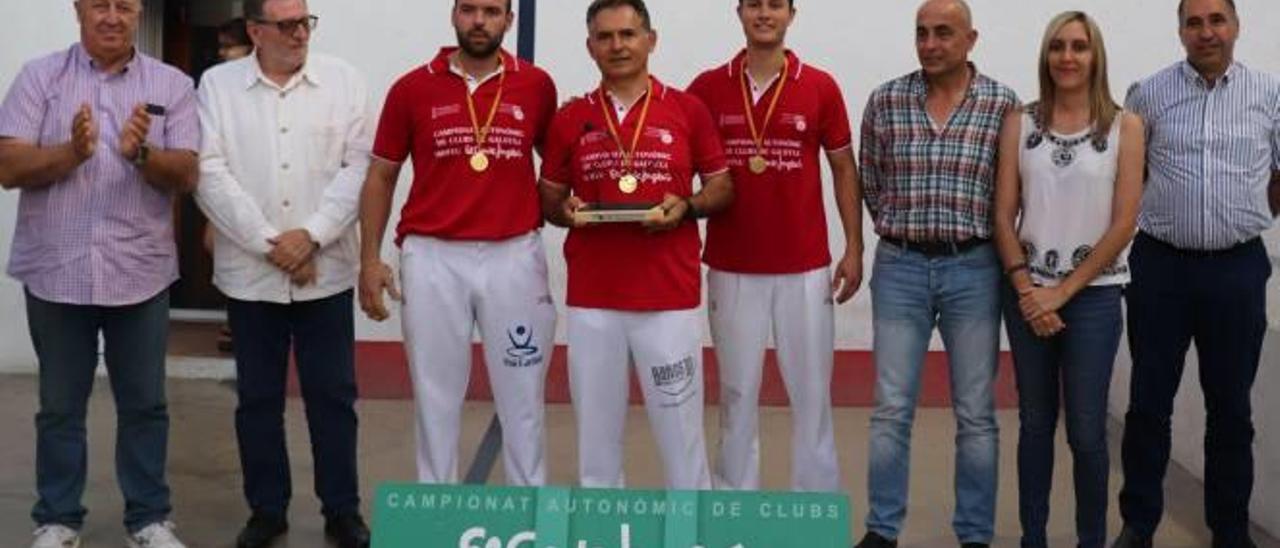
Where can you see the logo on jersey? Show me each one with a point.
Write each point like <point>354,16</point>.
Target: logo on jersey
<point>674,379</point>
<point>733,120</point>
<point>660,134</point>
<point>797,120</point>
<point>447,110</point>
<point>512,110</point>
<point>522,352</point>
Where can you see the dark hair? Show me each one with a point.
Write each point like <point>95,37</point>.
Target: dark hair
<point>253,9</point>
<point>598,6</point>
<point>791,3</point>
<point>1182,5</point>
<point>236,31</point>
<point>455,2</point>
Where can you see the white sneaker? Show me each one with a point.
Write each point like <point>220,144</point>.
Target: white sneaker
<point>156,535</point>
<point>55,536</point>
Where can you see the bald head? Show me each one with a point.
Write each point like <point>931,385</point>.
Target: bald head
<point>955,11</point>
<point>944,37</point>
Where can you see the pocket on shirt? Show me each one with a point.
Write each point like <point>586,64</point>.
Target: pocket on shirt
<point>55,128</point>
<point>325,147</point>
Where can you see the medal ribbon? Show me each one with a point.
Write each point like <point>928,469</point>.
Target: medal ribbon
<point>482,133</point>
<point>758,136</point>
<point>627,154</point>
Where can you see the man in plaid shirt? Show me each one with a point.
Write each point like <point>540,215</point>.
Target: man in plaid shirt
<point>928,154</point>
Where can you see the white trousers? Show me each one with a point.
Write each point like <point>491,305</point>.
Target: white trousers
<point>450,288</point>
<point>666,349</point>
<point>743,309</point>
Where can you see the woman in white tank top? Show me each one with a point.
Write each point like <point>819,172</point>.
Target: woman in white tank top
<point>1067,199</point>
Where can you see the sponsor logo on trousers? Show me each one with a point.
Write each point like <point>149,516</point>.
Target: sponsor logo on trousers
<point>522,352</point>
<point>673,379</point>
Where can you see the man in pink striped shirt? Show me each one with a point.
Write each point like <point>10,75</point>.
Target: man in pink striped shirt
<point>99,138</point>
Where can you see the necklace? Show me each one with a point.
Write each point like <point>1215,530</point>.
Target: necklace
<point>1064,152</point>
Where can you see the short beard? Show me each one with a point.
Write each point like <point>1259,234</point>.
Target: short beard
<point>484,50</point>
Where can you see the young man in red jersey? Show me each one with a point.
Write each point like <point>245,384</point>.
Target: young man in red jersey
<point>471,253</point>
<point>634,289</point>
<point>770,269</point>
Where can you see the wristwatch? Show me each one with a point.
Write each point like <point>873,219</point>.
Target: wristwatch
<point>691,211</point>
<point>140,159</point>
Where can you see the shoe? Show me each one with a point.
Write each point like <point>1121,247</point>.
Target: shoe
<point>873,540</point>
<point>1131,539</point>
<point>156,535</point>
<point>55,536</point>
<point>261,530</point>
<point>1245,543</point>
<point>347,530</point>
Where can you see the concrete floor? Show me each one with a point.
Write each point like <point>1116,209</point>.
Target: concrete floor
<point>204,469</point>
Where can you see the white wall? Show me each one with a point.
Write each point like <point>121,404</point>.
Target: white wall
<point>35,27</point>
<point>863,43</point>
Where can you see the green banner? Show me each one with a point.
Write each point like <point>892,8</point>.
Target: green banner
<point>445,516</point>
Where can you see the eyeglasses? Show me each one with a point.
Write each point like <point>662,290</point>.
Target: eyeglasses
<point>290,26</point>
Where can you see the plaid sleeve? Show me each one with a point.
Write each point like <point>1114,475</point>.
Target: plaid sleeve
<point>870,156</point>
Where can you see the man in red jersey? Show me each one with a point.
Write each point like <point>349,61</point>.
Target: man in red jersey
<point>634,290</point>
<point>471,253</point>
<point>768,258</point>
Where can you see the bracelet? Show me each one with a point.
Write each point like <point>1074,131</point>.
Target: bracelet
<point>1020,266</point>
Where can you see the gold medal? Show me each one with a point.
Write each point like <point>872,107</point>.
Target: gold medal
<point>756,163</point>
<point>479,162</point>
<point>628,184</point>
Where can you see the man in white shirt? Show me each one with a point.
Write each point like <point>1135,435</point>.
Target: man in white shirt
<point>286,145</point>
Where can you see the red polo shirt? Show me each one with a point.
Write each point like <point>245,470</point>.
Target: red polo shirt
<point>621,266</point>
<point>777,224</point>
<point>426,118</point>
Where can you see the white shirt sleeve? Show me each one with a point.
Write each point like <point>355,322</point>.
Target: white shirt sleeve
<point>224,201</point>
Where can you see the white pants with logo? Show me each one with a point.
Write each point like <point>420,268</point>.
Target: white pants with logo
<point>666,348</point>
<point>450,288</point>
<point>743,309</point>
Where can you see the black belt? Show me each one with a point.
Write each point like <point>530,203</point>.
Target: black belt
<point>938,249</point>
<point>1199,253</point>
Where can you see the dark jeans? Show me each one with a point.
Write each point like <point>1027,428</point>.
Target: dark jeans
<point>1076,366</point>
<point>321,334</point>
<point>1219,301</point>
<point>65,338</point>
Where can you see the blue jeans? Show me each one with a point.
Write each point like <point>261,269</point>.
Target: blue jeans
<point>65,338</point>
<point>1075,364</point>
<point>912,293</point>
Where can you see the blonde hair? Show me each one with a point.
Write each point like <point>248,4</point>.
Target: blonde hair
<point>1103,109</point>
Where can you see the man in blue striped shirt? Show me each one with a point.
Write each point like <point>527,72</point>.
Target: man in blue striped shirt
<point>1199,267</point>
